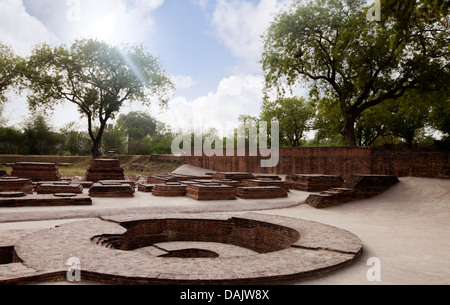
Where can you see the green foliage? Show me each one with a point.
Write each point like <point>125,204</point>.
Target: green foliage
<point>39,138</point>
<point>294,115</point>
<point>97,77</point>
<point>137,124</point>
<point>357,64</point>
<point>11,140</point>
<point>10,65</point>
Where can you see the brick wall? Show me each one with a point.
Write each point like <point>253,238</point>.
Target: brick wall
<point>343,161</point>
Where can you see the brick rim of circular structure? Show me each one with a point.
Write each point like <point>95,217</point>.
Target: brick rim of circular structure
<point>320,249</point>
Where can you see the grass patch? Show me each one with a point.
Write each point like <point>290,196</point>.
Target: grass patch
<point>135,166</point>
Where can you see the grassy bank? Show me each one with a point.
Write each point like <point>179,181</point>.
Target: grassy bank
<point>133,165</point>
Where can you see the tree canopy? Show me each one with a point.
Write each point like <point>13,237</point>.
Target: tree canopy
<point>295,116</point>
<point>358,64</point>
<point>97,77</point>
<point>9,70</point>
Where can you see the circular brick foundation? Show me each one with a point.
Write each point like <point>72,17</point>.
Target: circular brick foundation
<point>135,249</point>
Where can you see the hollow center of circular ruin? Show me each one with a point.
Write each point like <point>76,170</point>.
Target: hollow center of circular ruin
<point>260,237</point>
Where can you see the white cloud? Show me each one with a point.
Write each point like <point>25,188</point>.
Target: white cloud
<point>183,81</point>
<point>113,20</point>
<point>239,25</point>
<point>235,95</point>
<point>21,30</point>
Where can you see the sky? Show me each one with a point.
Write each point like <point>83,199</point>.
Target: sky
<point>210,48</point>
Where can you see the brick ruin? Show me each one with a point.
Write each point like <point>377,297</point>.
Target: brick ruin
<point>211,191</point>
<point>112,189</point>
<point>34,200</point>
<point>13,184</point>
<point>104,169</point>
<point>170,189</point>
<point>313,183</point>
<point>177,249</point>
<point>58,187</point>
<point>36,171</point>
<point>218,186</point>
<point>261,192</point>
<point>354,188</point>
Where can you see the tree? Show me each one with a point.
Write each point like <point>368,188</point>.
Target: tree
<point>98,78</point>
<point>10,71</point>
<point>138,124</point>
<point>39,137</point>
<point>332,46</point>
<point>407,115</point>
<point>294,115</point>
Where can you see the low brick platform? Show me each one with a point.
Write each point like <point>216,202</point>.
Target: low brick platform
<point>13,184</point>
<point>232,176</point>
<point>313,183</point>
<point>58,187</point>
<point>171,189</point>
<point>261,192</point>
<point>121,250</point>
<point>145,188</point>
<point>355,188</point>
<point>36,171</point>
<point>162,179</point>
<point>34,200</point>
<point>212,191</point>
<point>268,176</point>
<point>265,182</point>
<point>104,169</point>
<point>111,190</point>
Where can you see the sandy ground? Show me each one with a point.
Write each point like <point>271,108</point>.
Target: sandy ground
<point>407,228</point>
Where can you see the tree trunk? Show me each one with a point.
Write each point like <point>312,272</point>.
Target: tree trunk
<point>349,130</point>
<point>96,148</point>
<point>97,141</point>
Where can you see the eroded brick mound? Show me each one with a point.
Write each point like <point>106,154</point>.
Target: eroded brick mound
<point>34,200</point>
<point>104,169</point>
<point>355,188</point>
<point>237,176</point>
<point>211,191</point>
<point>111,190</point>
<point>261,192</point>
<point>36,171</point>
<point>13,184</point>
<point>169,190</point>
<point>265,182</point>
<point>313,183</point>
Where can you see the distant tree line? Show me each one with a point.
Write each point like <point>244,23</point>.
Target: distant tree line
<point>135,133</point>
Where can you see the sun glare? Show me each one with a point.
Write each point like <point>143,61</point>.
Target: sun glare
<point>104,28</point>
